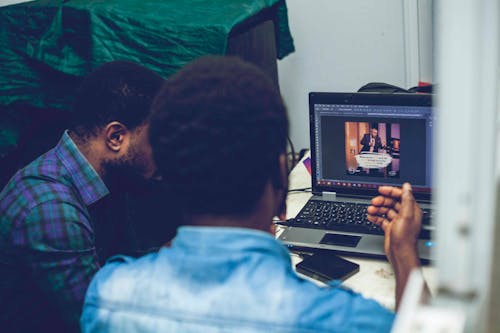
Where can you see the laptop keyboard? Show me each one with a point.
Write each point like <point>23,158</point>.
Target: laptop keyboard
<point>345,216</point>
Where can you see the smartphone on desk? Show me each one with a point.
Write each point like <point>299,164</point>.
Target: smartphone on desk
<point>326,267</point>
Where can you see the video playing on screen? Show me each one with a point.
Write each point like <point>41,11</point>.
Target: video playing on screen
<point>372,149</point>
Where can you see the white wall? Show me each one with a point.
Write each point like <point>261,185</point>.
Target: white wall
<point>340,46</point>
<point>11,2</point>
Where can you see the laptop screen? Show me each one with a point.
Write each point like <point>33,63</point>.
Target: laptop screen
<point>360,141</point>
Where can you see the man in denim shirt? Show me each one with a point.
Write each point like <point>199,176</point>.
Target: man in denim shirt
<point>218,134</point>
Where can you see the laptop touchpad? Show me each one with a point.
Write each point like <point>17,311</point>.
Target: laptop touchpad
<point>341,240</point>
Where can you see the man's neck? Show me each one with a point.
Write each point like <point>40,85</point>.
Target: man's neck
<point>260,218</point>
<point>254,221</point>
<point>86,148</point>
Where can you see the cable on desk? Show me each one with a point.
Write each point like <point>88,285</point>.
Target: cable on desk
<point>284,223</point>
<point>304,189</point>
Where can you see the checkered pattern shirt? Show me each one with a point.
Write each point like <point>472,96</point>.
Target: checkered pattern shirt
<point>47,243</point>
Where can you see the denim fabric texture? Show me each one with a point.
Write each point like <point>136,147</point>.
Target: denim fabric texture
<point>218,279</point>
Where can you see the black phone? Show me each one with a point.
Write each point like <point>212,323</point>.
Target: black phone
<point>326,267</point>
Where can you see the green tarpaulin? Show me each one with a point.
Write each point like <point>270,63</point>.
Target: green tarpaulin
<point>46,46</point>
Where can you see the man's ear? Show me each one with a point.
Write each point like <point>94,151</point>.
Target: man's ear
<point>116,136</point>
<point>283,167</point>
<point>283,171</point>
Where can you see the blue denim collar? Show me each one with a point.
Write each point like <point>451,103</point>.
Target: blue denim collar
<point>219,240</point>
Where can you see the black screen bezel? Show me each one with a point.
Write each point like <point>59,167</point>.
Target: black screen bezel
<point>358,98</point>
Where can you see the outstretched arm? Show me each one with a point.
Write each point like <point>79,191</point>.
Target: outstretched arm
<point>398,214</point>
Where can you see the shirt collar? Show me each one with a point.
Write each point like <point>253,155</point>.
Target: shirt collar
<point>86,180</point>
<point>213,240</point>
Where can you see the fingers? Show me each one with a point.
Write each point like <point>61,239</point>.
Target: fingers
<point>382,201</point>
<point>391,191</point>
<point>385,213</point>
<point>409,207</point>
<point>385,207</point>
<point>390,198</point>
<point>382,211</point>
<point>393,202</point>
<point>381,221</point>
<point>408,202</point>
<point>377,219</point>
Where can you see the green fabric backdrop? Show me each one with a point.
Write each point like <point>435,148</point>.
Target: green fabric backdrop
<point>46,46</point>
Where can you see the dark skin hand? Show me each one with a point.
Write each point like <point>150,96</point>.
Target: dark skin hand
<point>398,214</point>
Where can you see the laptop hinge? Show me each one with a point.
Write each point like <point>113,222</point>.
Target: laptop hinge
<point>329,195</point>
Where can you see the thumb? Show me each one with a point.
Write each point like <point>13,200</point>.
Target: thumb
<point>407,201</point>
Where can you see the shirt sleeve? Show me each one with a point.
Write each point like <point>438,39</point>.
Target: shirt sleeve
<point>63,258</point>
<point>367,315</point>
<point>343,310</point>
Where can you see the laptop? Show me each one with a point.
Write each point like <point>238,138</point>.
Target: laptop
<point>360,141</point>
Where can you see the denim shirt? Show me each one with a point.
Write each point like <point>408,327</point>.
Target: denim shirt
<point>215,279</point>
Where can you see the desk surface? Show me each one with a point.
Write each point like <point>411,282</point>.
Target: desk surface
<point>375,278</point>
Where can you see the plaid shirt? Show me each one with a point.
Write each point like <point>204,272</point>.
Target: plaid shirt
<point>47,243</point>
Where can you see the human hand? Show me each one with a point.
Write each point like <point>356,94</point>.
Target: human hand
<point>398,214</point>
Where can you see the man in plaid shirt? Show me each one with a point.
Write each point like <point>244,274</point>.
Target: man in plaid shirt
<point>47,242</point>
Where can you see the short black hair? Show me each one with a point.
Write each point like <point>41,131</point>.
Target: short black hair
<point>218,128</point>
<point>115,91</point>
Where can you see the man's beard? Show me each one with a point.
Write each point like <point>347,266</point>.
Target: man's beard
<point>127,174</point>
<point>130,213</point>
